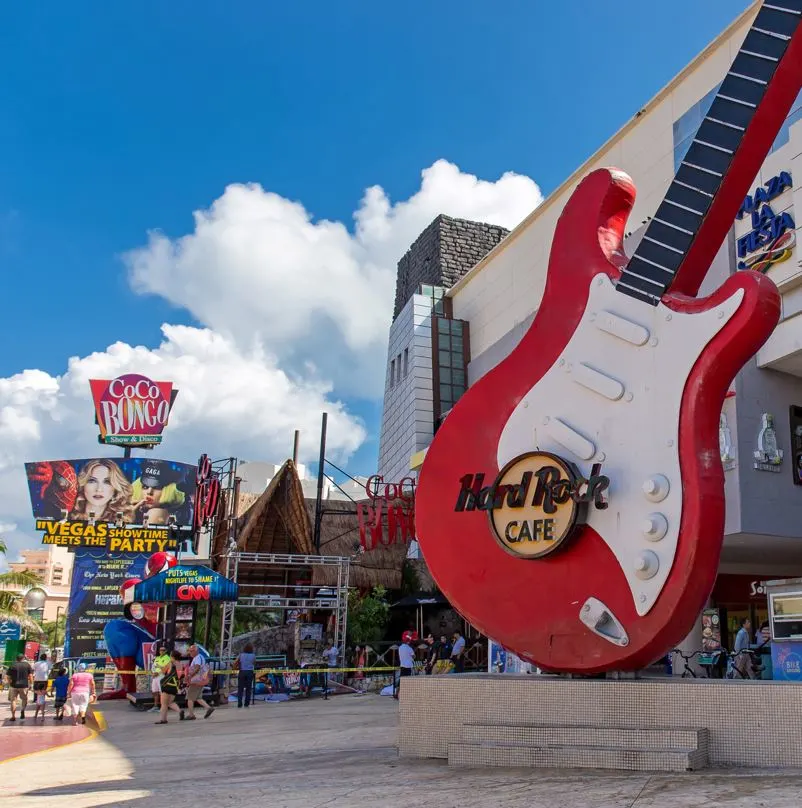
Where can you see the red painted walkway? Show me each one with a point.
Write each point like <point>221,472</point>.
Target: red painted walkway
<point>25,737</point>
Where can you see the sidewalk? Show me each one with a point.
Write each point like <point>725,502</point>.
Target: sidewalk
<point>336,754</point>
<point>26,737</point>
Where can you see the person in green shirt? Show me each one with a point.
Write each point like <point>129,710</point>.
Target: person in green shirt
<point>159,664</point>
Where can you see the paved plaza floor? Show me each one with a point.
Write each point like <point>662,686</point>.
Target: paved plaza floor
<point>332,754</point>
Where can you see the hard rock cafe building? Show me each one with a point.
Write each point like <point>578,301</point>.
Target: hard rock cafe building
<point>467,292</point>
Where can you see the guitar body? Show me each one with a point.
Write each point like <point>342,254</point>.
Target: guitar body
<point>600,378</point>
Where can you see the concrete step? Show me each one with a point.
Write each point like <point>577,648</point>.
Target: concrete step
<point>607,737</point>
<point>479,755</point>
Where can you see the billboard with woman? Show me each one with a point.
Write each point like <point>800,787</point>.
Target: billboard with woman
<point>119,491</point>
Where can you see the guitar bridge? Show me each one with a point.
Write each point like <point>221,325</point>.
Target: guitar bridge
<point>601,621</point>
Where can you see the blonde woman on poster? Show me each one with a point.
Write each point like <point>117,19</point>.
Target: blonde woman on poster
<point>103,493</point>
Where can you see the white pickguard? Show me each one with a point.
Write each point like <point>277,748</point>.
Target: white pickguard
<point>613,401</point>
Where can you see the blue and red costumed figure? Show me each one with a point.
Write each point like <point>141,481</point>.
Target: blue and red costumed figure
<point>125,638</point>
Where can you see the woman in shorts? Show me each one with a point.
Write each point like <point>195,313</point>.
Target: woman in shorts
<point>170,687</point>
<point>81,692</point>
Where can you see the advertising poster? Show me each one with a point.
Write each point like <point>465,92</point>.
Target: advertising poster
<point>95,598</point>
<point>786,660</point>
<point>711,636</point>
<point>185,584</point>
<point>124,505</point>
<point>8,631</point>
<point>499,660</point>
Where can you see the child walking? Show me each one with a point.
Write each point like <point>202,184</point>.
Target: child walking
<point>60,685</point>
<point>40,702</point>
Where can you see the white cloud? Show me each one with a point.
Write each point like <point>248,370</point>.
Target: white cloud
<point>230,403</point>
<point>260,265</point>
<point>295,313</point>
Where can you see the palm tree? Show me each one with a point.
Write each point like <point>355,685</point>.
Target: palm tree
<point>12,604</point>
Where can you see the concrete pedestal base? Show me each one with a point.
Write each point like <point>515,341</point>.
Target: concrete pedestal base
<point>640,724</point>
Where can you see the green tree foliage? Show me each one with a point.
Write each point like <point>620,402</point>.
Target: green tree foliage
<point>12,603</point>
<point>367,616</point>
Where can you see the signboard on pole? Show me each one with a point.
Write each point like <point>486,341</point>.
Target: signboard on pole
<point>132,410</point>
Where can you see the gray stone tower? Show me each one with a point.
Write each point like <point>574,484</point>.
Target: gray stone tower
<point>442,254</point>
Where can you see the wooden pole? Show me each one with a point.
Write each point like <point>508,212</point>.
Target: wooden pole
<point>320,476</point>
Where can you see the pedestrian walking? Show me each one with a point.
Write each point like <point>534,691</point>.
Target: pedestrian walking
<point>169,686</point>
<point>81,693</point>
<point>330,654</point>
<point>458,652</point>
<point>61,685</point>
<point>196,678</point>
<point>246,666</point>
<point>41,675</point>
<point>431,654</point>
<point>406,660</point>
<point>742,661</point>
<point>360,660</point>
<point>20,678</point>
<point>159,664</point>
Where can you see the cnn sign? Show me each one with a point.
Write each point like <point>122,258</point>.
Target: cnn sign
<point>132,410</point>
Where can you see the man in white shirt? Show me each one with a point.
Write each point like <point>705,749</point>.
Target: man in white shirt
<point>406,660</point>
<point>330,654</point>
<point>41,673</point>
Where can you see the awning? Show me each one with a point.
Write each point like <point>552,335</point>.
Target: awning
<point>183,585</point>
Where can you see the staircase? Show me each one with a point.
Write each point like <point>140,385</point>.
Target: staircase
<point>668,750</point>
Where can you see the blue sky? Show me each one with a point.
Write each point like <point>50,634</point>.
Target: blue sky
<point>122,118</point>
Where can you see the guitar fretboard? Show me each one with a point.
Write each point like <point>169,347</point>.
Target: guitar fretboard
<point>693,191</point>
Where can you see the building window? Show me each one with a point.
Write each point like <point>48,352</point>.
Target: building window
<point>398,368</point>
<point>406,362</point>
<point>392,372</point>
<point>449,363</point>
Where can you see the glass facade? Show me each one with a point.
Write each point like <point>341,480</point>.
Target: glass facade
<point>449,347</point>
<point>437,293</point>
<point>687,125</point>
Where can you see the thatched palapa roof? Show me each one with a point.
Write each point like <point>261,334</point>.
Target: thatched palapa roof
<point>280,520</point>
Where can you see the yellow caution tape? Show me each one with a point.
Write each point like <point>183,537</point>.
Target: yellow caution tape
<point>260,672</point>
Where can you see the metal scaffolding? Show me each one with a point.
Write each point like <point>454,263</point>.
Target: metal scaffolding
<point>305,598</point>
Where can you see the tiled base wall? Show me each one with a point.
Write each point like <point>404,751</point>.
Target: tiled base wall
<point>750,723</point>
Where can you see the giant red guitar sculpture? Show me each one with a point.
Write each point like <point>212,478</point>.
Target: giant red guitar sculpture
<point>571,506</point>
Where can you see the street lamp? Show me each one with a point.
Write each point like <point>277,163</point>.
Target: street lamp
<point>35,602</point>
<point>55,632</point>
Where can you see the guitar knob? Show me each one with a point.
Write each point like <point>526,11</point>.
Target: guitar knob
<point>646,565</point>
<point>655,526</point>
<point>656,488</point>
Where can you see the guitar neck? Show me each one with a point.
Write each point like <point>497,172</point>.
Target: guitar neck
<point>725,156</point>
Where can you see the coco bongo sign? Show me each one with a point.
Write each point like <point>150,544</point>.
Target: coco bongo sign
<point>132,410</point>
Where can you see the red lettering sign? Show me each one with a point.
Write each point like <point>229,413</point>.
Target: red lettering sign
<point>194,592</point>
<point>397,501</point>
<point>207,494</point>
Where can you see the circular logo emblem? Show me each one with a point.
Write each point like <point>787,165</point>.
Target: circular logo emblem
<point>536,505</point>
